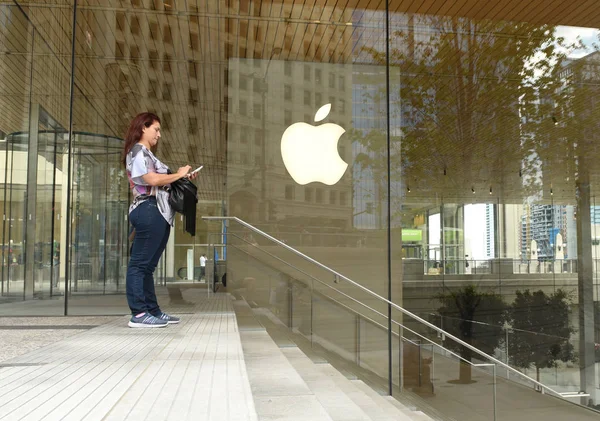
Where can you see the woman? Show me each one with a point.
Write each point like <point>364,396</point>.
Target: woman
<point>151,217</point>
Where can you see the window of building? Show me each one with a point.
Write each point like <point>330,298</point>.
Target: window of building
<point>342,82</point>
<point>192,69</point>
<point>289,192</point>
<point>257,111</point>
<point>192,125</point>
<point>135,25</point>
<point>119,50</point>
<point>332,80</point>
<point>120,21</point>
<point>166,91</point>
<point>308,194</point>
<point>152,88</point>
<point>134,54</point>
<point>153,30</point>
<point>342,106</point>
<point>307,98</point>
<point>319,99</point>
<point>287,68</point>
<point>318,76</point>
<point>287,92</point>
<point>192,95</point>
<point>166,121</point>
<point>243,107</point>
<point>153,57</point>
<point>343,198</point>
<point>287,117</point>
<point>243,135</point>
<point>167,36</point>
<point>258,136</point>
<point>319,196</point>
<point>167,62</point>
<point>194,41</point>
<point>332,197</point>
<point>306,72</point>
<point>243,82</point>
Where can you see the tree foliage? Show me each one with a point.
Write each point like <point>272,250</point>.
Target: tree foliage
<point>541,330</point>
<point>475,317</point>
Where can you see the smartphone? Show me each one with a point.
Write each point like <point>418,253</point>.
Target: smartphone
<point>196,170</point>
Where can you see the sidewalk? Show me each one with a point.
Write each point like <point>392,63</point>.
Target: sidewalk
<point>194,370</point>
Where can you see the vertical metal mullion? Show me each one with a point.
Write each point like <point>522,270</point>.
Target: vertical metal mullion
<point>69,154</point>
<point>389,189</point>
<point>53,213</point>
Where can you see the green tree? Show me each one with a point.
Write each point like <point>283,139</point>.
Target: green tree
<point>541,330</point>
<point>475,317</point>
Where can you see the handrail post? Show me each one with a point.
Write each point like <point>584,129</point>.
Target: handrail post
<point>357,346</point>
<point>495,390</point>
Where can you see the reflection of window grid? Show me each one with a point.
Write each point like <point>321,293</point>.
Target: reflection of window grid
<point>153,55</point>
<point>287,117</point>
<point>166,91</point>
<point>192,125</point>
<point>193,95</point>
<point>258,135</point>
<point>167,62</point>
<point>287,92</point>
<point>289,192</point>
<point>308,196</point>
<point>343,198</point>
<point>332,80</point>
<point>307,98</point>
<point>120,20</point>
<point>119,50</point>
<point>287,68</point>
<point>332,197</point>
<point>257,110</point>
<point>319,196</point>
<point>243,107</point>
<point>135,25</point>
<point>167,37</point>
<point>306,72</point>
<point>318,76</point>
<point>153,29</point>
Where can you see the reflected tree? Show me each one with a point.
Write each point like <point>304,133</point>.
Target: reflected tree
<point>475,317</point>
<point>541,330</point>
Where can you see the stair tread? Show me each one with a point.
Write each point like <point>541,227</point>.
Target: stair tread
<point>390,409</point>
<point>337,403</point>
<point>279,392</point>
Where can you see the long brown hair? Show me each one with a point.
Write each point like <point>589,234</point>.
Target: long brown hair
<point>135,131</point>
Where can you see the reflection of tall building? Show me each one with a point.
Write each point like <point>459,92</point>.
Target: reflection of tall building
<point>259,186</point>
<point>543,223</point>
<point>490,250</point>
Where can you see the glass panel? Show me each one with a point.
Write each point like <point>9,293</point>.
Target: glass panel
<point>34,99</point>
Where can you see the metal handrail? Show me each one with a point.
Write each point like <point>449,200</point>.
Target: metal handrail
<point>392,304</point>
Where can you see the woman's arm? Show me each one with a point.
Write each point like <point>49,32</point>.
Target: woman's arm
<point>155,179</point>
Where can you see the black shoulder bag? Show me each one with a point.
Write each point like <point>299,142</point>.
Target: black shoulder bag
<point>183,198</point>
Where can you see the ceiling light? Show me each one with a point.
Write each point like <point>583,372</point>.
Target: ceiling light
<point>554,120</point>
<point>490,190</point>
<point>472,190</point>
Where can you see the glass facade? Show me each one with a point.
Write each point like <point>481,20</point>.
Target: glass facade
<point>423,153</point>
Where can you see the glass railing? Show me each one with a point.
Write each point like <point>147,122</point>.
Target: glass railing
<point>406,354</point>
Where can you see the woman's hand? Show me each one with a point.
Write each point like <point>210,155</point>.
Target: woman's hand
<point>184,171</point>
<point>193,175</point>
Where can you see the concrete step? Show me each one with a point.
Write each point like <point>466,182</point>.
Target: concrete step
<point>338,404</point>
<point>390,405</point>
<point>279,391</point>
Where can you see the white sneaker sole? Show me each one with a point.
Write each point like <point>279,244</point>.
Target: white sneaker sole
<point>133,324</point>
<point>173,322</point>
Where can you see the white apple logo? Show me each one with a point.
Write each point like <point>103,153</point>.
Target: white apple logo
<point>310,152</point>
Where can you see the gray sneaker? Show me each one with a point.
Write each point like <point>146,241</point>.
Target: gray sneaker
<point>168,318</point>
<point>146,320</point>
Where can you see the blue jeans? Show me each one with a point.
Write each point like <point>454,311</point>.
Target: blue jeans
<point>151,236</point>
